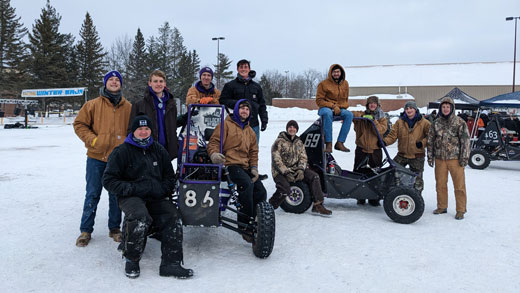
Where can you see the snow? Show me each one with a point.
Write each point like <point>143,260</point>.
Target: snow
<point>358,249</point>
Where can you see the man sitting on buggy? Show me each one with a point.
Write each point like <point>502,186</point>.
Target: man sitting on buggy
<point>240,155</point>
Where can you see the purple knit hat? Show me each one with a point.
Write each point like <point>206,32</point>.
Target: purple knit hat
<point>110,74</point>
<point>206,69</point>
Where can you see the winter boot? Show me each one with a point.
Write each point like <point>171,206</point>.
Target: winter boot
<point>83,239</point>
<point>459,216</point>
<point>277,199</point>
<point>328,147</point>
<point>132,268</point>
<point>318,208</point>
<point>439,211</point>
<point>374,202</point>
<point>175,270</point>
<point>361,201</point>
<point>115,234</point>
<point>341,147</point>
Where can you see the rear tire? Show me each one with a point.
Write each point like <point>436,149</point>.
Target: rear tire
<point>404,205</point>
<point>299,200</point>
<point>263,240</point>
<point>479,159</point>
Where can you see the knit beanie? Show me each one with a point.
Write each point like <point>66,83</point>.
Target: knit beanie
<point>292,123</point>
<point>372,99</point>
<point>411,104</point>
<point>110,74</point>
<point>141,120</point>
<point>206,69</point>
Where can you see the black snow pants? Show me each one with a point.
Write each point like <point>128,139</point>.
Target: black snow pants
<point>142,215</point>
<point>249,193</point>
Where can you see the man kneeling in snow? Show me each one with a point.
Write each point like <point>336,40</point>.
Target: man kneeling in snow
<point>139,171</point>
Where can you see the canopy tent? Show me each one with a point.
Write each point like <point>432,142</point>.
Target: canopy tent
<point>511,100</point>
<point>462,100</point>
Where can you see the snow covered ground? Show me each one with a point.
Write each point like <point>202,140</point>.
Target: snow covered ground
<point>358,249</point>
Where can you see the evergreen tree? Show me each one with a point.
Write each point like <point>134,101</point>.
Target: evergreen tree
<point>137,68</point>
<point>153,55</point>
<point>90,56</point>
<point>189,65</point>
<point>49,50</point>
<point>12,50</point>
<point>222,72</point>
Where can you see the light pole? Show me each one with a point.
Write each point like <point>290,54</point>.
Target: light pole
<point>218,58</point>
<point>514,57</point>
<point>286,84</point>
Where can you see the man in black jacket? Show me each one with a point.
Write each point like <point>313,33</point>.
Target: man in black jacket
<point>243,87</point>
<point>140,173</point>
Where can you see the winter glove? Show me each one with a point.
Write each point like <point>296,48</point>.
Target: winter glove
<point>418,144</point>
<point>430,162</point>
<point>337,110</point>
<point>283,170</point>
<point>290,177</point>
<point>218,158</point>
<point>463,163</point>
<point>141,188</point>
<point>299,175</point>
<point>254,173</point>
<point>368,116</point>
<point>264,126</point>
<point>206,100</point>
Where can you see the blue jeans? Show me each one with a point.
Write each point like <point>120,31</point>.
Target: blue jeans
<point>327,115</point>
<point>94,177</point>
<point>256,129</point>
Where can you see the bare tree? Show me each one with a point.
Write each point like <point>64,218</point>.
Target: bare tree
<point>311,78</point>
<point>119,54</point>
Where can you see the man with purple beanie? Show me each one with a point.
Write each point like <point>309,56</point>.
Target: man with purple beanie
<point>101,124</point>
<point>204,91</point>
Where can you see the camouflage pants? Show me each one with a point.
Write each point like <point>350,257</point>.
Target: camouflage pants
<point>416,165</point>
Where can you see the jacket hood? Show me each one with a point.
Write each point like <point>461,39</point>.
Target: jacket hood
<point>342,77</point>
<point>236,116</point>
<point>285,136</point>
<point>452,104</point>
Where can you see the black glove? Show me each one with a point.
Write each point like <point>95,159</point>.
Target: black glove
<point>142,188</point>
<point>418,144</point>
<point>264,126</point>
<point>157,191</point>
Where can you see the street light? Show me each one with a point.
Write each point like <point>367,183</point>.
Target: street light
<point>514,56</point>
<point>286,84</point>
<point>218,59</point>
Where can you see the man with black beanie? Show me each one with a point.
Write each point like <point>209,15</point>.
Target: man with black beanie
<point>140,173</point>
<point>101,124</point>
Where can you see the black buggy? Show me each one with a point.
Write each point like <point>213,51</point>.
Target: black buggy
<point>391,183</point>
<point>204,192</point>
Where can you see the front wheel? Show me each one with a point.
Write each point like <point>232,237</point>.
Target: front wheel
<point>299,200</point>
<point>478,159</point>
<point>403,205</point>
<point>263,240</point>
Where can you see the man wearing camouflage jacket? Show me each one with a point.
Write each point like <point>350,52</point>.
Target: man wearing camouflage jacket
<point>448,148</point>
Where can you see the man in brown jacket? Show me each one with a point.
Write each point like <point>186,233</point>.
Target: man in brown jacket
<point>204,91</point>
<point>240,155</point>
<point>332,100</point>
<point>101,124</point>
<point>411,131</point>
<point>367,142</point>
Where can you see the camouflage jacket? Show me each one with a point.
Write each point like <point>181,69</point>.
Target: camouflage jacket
<point>287,155</point>
<point>448,138</point>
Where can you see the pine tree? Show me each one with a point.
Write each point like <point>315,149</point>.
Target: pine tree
<point>137,68</point>
<point>222,72</point>
<point>153,55</point>
<point>49,48</point>
<point>189,65</point>
<point>13,51</point>
<point>90,56</point>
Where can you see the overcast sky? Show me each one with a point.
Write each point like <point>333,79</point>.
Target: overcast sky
<point>297,35</point>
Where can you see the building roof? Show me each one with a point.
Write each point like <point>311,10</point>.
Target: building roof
<point>445,74</point>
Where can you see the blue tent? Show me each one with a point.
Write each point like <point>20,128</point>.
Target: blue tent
<point>511,100</point>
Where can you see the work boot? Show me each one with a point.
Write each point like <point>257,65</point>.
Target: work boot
<point>115,234</point>
<point>83,239</point>
<point>361,201</point>
<point>174,270</point>
<point>374,202</point>
<point>459,216</point>
<point>318,208</point>
<point>277,199</point>
<point>132,269</point>
<point>328,147</point>
<point>341,147</point>
<point>439,211</point>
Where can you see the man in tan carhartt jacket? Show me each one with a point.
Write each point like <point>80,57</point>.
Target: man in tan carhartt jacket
<point>101,124</point>
<point>411,132</point>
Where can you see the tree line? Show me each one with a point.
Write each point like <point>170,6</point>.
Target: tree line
<point>44,57</point>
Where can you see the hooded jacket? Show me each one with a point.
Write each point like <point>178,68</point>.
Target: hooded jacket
<point>239,141</point>
<point>102,126</point>
<point>287,155</point>
<point>366,136</point>
<point>408,137</point>
<point>331,93</point>
<point>448,137</point>
<point>250,90</point>
<point>147,106</point>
